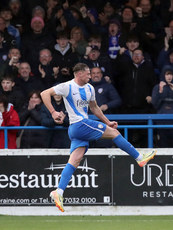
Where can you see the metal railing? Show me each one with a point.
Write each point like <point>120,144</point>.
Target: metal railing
<point>130,118</point>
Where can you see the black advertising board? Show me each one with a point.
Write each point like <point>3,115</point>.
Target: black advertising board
<point>99,180</point>
<point>150,185</point>
<point>28,180</point>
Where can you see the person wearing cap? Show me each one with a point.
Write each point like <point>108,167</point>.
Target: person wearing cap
<point>94,58</point>
<point>162,100</point>
<point>38,38</point>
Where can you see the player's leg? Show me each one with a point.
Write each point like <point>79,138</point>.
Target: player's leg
<point>73,162</point>
<point>123,144</point>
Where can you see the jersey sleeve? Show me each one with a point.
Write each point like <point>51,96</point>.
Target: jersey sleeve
<point>93,97</point>
<point>62,89</point>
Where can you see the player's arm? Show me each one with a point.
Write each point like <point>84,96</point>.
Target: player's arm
<point>46,97</point>
<point>98,113</point>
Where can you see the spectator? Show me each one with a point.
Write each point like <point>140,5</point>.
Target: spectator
<point>47,69</point>
<point>38,11</point>
<point>50,5</point>
<point>135,84</point>
<point>151,28</point>
<point>36,40</point>
<point>95,40</point>
<point>64,57</point>
<point>78,41</point>
<point>26,81</point>
<point>125,54</point>
<point>11,66</point>
<point>128,23</point>
<point>107,97</point>
<point>28,5</point>
<point>56,21</point>
<point>93,58</point>
<point>75,16</point>
<point>6,14</point>
<point>3,54</point>
<point>9,40</point>
<point>19,19</point>
<point>113,38</point>
<point>13,94</point>
<point>163,57</point>
<point>30,116</point>
<point>8,117</point>
<point>162,99</point>
<point>165,60</point>
<point>55,138</point>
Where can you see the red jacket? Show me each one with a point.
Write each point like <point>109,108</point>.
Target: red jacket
<point>9,118</point>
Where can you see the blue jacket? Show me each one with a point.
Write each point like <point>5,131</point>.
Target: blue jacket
<point>163,102</point>
<point>106,94</point>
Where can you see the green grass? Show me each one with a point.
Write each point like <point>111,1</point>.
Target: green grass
<point>86,222</point>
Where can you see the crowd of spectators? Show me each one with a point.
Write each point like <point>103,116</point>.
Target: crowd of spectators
<point>128,44</point>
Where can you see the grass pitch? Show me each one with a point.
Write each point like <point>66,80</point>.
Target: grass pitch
<point>86,222</point>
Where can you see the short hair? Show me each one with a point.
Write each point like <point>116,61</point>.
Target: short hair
<point>132,37</point>
<point>8,77</point>
<point>6,9</point>
<point>80,67</point>
<point>35,91</point>
<point>95,37</point>
<point>139,48</point>
<point>4,101</point>
<point>45,49</point>
<point>62,34</point>
<point>167,72</point>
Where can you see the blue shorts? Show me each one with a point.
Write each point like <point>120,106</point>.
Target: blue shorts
<point>82,132</point>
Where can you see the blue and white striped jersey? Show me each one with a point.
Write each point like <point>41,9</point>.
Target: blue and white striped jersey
<point>76,99</point>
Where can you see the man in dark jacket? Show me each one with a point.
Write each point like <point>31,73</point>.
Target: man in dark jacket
<point>64,57</point>
<point>107,96</point>
<point>26,81</point>
<point>135,84</point>
<point>94,58</point>
<point>34,41</point>
<point>47,70</point>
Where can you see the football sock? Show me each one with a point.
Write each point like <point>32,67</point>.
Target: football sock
<point>66,175</point>
<point>60,191</point>
<point>123,144</point>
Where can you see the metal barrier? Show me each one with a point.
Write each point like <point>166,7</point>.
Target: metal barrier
<point>148,118</point>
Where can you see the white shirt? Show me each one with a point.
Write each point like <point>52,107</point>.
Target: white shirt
<point>76,99</point>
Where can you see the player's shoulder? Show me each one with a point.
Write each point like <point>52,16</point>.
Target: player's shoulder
<point>88,85</point>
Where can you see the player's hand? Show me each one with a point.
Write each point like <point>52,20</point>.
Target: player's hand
<point>113,124</point>
<point>57,116</point>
